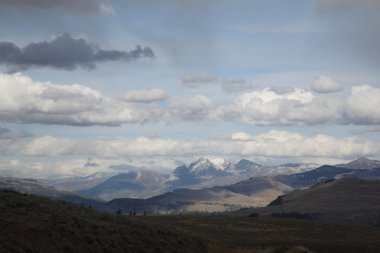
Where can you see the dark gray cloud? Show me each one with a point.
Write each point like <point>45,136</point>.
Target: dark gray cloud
<point>82,6</point>
<point>64,52</point>
<point>6,134</point>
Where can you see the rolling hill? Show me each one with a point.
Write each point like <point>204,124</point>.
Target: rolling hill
<point>34,224</point>
<point>348,200</point>
<point>34,187</point>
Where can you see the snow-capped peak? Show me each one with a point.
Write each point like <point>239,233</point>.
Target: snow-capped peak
<point>220,163</point>
<point>206,163</point>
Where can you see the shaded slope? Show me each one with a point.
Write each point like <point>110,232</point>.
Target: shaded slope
<point>348,200</point>
<point>272,235</point>
<point>33,224</point>
<point>34,187</point>
<point>136,184</point>
<point>309,178</point>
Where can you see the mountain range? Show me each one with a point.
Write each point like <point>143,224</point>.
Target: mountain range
<point>205,185</point>
<point>254,192</point>
<point>203,173</point>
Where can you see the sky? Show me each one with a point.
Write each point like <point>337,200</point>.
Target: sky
<point>99,86</point>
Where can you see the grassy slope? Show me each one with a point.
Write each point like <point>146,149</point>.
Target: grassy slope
<point>347,201</point>
<point>245,234</point>
<point>34,224</point>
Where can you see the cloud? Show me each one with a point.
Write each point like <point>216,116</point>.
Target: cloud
<point>144,96</point>
<point>241,136</point>
<point>236,85</point>
<point>47,169</point>
<point>363,105</point>
<point>267,107</point>
<point>301,107</point>
<point>64,52</point>
<point>270,144</point>
<point>193,81</point>
<point>6,134</point>
<point>197,108</point>
<point>325,84</point>
<point>83,6</point>
<point>23,100</point>
<point>117,154</point>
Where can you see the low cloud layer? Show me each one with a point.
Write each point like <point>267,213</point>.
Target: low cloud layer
<point>64,52</point>
<point>271,144</point>
<point>82,6</point>
<point>164,153</point>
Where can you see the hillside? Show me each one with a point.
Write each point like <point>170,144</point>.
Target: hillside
<point>35,187</point>
<point>135,184</point>
<point>362,163</point>
<point>348,200</point>
<point>34,224</point>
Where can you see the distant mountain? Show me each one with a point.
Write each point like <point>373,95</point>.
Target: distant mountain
<point>77,183</point>
<point>312,177</point>
<point>203,173</point>
<point>361,163</point>
<point>213,172</point>
<point>247,166</point>
<point>289,168</point>
<point>136,184</point>
<point>34,187</point>
<point>198,171</point>
<point>252,192</point>
<point>348,200</point>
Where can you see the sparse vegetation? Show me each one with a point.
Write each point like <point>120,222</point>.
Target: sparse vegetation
<point>33,224</point>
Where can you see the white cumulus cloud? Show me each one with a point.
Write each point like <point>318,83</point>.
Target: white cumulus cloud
<point>23,100</point>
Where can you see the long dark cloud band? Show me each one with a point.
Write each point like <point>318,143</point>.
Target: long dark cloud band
<point>64,52</point>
